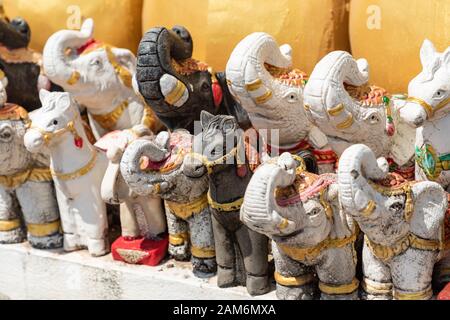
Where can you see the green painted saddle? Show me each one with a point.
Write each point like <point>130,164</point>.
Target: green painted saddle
<point>431,163</point>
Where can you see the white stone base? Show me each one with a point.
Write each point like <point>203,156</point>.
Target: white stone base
<point>27,273</point>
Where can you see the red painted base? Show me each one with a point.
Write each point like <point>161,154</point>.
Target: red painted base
<point>140,251</point>
<point>445,293</point>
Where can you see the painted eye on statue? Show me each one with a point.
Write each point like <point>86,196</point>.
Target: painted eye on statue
<point>96,63</point>
<point>228,126</point>
<point>205,86</point>
<point>291,97</point>
<point>314,212</point>
<point>373,118</point>
<point>54,122</point>
<point>439,94</point>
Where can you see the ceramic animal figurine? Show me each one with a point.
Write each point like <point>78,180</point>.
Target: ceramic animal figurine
<point>341,103</point>
<point>77,169</point>
<point>177,86</point>
<point>261,77</point>
<point>21,65</point>
<point>428,110</point>
<point>164,166</point>
<point>27,194</point>
<point>402,222</point>
<point>241,253</point>
<point>143,223</point>
<point>300,212</point>
<point>99,77</point>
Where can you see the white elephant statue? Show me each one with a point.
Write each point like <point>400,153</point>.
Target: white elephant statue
<point>27,193</point>
<point>428,110</point>
<point>165,166</point>
<point>142,219</point>
<point>77,169</point>
<point>402,222</point>
<point>341,103</point>
<point>99,77</point>
<point>300,212</point>
<point>262,79</point>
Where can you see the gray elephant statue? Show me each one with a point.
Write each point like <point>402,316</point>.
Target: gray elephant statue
<point>164,166</point>
<point>242,254</point>
<point>27,195</point>
<point>402,222</point>
<point>300,212</point>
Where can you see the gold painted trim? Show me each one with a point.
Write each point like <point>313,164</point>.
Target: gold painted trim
<point>339,289</point>
<point>225,207</point>
<point>44,229</point>
<point>376,288</point>
<point>302,254</point>
<point>77,173</point>
<point>74,78</point>
<point>335,111</point>
<point>420,295</point>
<point>109,120</point>
<point>427,107</point>
<point>264,98</point>
<point>294,281</point>
<point>254,85</point>
<point>203,252</point>
<point>175,95</point>
<point>14,180</point>
<point>367,211</point>
<point>40,175</point>
<point>346,123</point>
<point>9,225</point>
<point>326,205</point>
<point>35,175</point>
<point>177,239</point>
<point>283,224</point>
<point>385,253</point>
<point>186,210</point>
<point>121,72</point>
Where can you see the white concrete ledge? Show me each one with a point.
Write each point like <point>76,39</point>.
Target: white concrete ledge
<point>27,273</point>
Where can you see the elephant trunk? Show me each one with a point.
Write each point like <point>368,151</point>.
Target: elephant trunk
<point>260,210</point>
<point>159,83</point>
<point>57,59</point>
<point>130,165</point>
<point>357,164</point>
<point>246,70</point>
<point>325,89</point>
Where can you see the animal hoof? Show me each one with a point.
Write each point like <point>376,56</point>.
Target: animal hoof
<point>225,277</point>
<point>306,292</point>
<point>179,253</point>
<point>12,236</point>
<point>49,242</point>
<point>257,285</point>
<point>97,247</point>
<point>204,268</point>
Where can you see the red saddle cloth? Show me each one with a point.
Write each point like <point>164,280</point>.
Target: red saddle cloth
<point>140,250</point>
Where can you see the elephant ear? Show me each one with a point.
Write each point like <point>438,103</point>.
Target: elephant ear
<point>125,58</point>
<point>430,206</point>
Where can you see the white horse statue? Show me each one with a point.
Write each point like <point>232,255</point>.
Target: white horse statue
<point>77,169</point>
<point>428,109</point>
